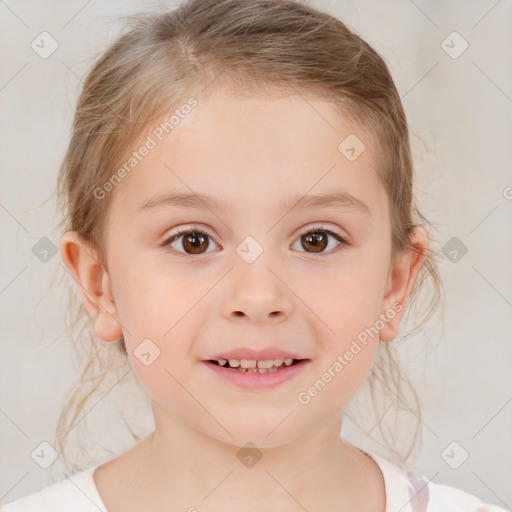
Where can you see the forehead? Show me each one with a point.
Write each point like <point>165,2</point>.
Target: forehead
<point>247,152</point>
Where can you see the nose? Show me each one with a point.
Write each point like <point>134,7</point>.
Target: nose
<point>257,293</point>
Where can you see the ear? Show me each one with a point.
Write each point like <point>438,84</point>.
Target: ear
<point>400,281</point>
<point>81,260</point>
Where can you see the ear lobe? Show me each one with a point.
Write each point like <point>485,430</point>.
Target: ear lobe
<point>400,282</point>
<point>81,261</point>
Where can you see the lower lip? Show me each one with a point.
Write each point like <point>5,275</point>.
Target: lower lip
<point>255,380</point>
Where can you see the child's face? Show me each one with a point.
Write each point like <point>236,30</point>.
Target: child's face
<point>252,155</point>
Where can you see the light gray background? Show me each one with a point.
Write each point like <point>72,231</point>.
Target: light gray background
<point>459,110</point>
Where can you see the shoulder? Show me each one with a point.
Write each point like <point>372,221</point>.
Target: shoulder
<point>410,491</point>
<point>77,493</point>
<point>441,497</point>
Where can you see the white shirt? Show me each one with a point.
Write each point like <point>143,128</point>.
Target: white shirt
<point>406,491</point>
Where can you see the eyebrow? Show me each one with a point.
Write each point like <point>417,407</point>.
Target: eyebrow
<point>337,199</point>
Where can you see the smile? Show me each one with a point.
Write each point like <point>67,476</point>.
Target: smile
<point>251,365</point>
<point>252,374</point>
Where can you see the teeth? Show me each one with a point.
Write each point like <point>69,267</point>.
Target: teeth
<point>253,366</point>
<point>248,363</point>
<point>265,364</point>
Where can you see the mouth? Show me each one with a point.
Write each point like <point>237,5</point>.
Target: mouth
<point>255,366</point>
<point>256,375</point>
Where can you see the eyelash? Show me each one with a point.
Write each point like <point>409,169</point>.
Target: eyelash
<point>186,231</point>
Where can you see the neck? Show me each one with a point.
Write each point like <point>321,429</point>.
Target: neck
<point>188,467</point>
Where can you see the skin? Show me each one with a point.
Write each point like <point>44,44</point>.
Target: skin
<point>254,153</point>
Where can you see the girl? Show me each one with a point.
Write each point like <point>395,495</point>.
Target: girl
<point>240,223</point>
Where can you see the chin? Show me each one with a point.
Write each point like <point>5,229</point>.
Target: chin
<point>262,434</point>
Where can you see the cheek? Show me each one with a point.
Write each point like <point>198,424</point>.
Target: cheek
<point>348,302</point>
<point>159,349</point>
<point>156,311</point>
<point>347,315</point>
<point>154,300</point>
<point>166,382</point>
<point>347,292</point>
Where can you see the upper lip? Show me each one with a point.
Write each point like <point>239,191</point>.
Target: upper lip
<point>256,355</point>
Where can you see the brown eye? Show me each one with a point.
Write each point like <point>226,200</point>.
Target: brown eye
<point>192,242</point>
<point>195,243</point>
<point>318,240</point>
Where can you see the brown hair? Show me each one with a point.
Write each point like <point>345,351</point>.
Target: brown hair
<point>250,46</point>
